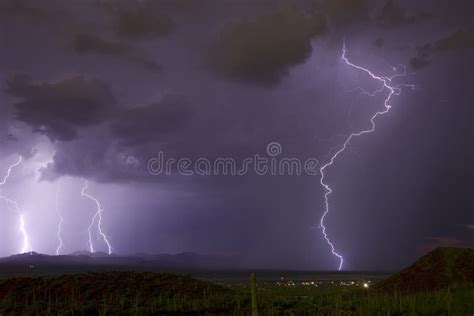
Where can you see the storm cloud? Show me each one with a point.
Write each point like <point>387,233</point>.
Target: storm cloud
<point>262,49</point>
<point>393,14</point>
<point>137,20</point>
<point>86,44</point>
<point>151,123</point>
<point>58,109</point>
<point>460,39</point>
<point>94,89</point>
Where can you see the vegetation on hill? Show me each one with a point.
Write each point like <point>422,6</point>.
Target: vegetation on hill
<point>439,269</point>
<point>112,293</point>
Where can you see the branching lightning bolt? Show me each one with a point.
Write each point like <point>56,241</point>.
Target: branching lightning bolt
<point>393,90</point>
<point>9,171</point>
<point>60,224</point>
<point>26,247</point>
<point>97,216</point>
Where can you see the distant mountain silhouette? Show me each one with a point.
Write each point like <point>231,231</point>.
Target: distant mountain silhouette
<point>440,268</point>
<point>35,263</point>
<point>92,254</point>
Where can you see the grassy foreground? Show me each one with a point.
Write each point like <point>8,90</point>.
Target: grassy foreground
<point>112,293</point>
<point>344,300</point>
<point>127,293</point>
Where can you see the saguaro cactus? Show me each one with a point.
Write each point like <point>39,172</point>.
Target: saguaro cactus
<point>253,291</point>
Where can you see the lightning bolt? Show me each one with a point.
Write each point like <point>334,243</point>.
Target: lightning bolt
<point>26,247</point>
<point>393,90</point>
<point>60,224</point>
<point>97,215</point>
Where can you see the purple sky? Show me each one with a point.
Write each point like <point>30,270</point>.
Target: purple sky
<point>93,89</point>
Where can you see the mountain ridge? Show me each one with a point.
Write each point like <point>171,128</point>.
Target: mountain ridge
<point>440,268</point>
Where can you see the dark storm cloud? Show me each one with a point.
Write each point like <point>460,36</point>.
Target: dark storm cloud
<point>51,15</point>
<point>460,39</point>
<point>262,49</point>
<point>393,14</point>
<point>137,20</point>
<point>27,9</point>
<point>96,157</point>
<point>153,122</point>
<point>421,60</point>
<point>342,12</point>
<point>117,151</point>
<point>59,109</point>
<point>88,43</point>
<point>91,44</point>
<point>457,40</point>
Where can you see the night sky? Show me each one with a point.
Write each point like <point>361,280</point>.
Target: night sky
<point>92,90</point>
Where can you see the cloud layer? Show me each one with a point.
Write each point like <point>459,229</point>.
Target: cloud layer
<point>59,109</point>
<point>262,49</point>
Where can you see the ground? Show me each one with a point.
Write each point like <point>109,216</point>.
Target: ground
<point>439,283</point>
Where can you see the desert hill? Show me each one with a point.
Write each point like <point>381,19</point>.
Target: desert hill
<point>113,293</point>
<point>440,268</point>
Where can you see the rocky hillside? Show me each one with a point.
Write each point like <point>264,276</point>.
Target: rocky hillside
<point>113,293</point>
<point>440,268</point>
